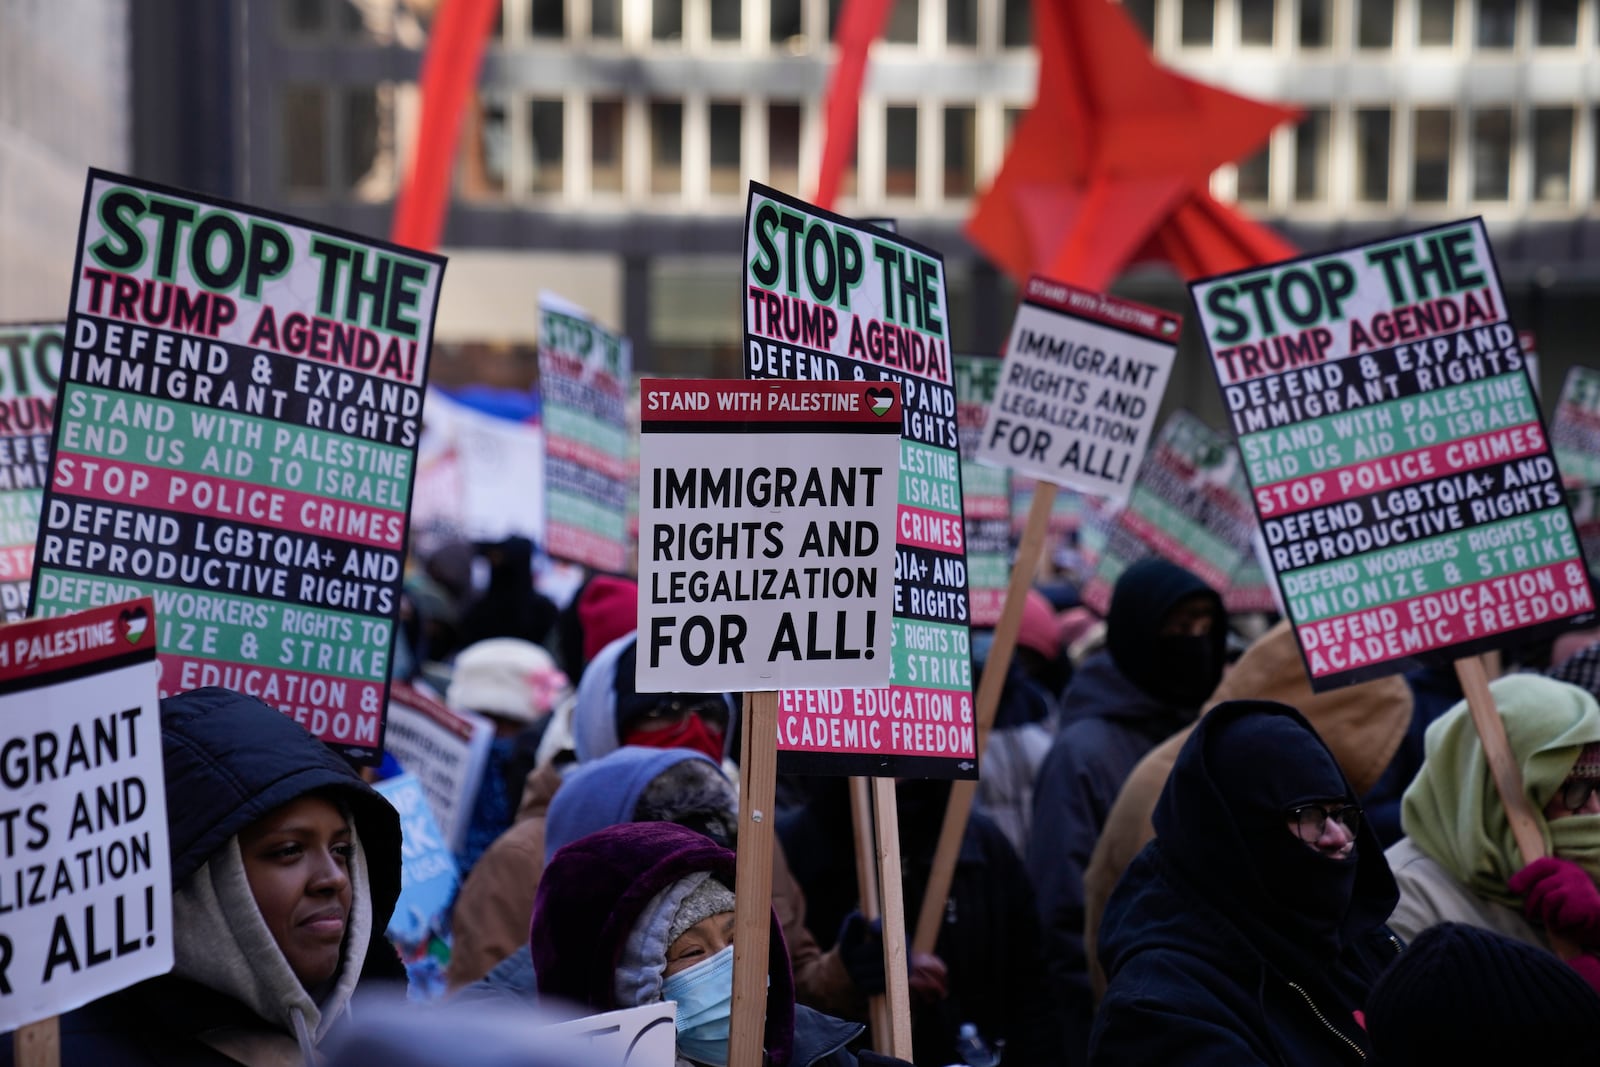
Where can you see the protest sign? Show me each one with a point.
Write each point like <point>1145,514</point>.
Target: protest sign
<point>826,297</point>
<point>985,492</point>
<point>235,436</point>
<point>86,900</point>
<point>1083,377</point>
<point>447,752</point>
<point>1395,452</point>
<point>1575,435</point>
<point>31,355</point>
<point>584,374</point>
<point>646,1036</point>
<point>766,530</point>
<point>420,924</point>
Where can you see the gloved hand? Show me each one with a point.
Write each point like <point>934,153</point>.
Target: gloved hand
<point>1561,895</point>
<point>861,952</point>
<point>1587,964</point>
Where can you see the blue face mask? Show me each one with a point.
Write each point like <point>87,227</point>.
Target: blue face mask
<point>704,994</point>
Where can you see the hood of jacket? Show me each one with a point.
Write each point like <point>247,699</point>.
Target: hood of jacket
<point>230,759</point>
<point>609,790</point>
<point>1161,665</point>
<point>591,898</point>
<point>1205,851</point>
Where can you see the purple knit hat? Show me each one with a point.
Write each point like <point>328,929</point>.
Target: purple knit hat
<point>591,895</point>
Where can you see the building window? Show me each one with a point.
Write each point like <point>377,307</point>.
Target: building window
<point>1375,24</point>
<point>486,140</point>
<point>725,121</point>
<point>900,155</point>
<point>1255,21</point>
<point>1311,156</point>
<point>1497,23</point>
<point>834,7</point>
<point>1491,154</point>
<point>1143,13</point>
<point>1557,22</point>
<point>605,19</point>
<point>1199,18</point>
<point>1315,24</point>
<point>902,28</point>
<point>783,146</point>
<point>1254,182</point>
<point>666,146</point>
<point>1009,120</point>
<point>605,146</point>
<point>547,144</point>
<point>547,18</point>
<point>1018,29</point>
<point>960,152</point>
<point>961,22</point>
<point>305,139</point>
<point>784,21</point>
<point>368,149</point>
<point>1430,166</point>
<point>1552,154</point>
<point>666,20</point>
<point>303,18</point>
<point>1373,132</point>
<point>725,23</point>
<point>1436,22</point>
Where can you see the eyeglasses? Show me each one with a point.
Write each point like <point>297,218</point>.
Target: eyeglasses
<point>713,711</point>
<point>1575,792</point>
<point>1310,821</point>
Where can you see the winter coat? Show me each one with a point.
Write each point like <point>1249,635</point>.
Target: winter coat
<point>228,761</point>
<point>1024,727</point>
<point>1429,895</point>
<point>1362,725</point>
<point>989,940</point>
<point>1207,964</point>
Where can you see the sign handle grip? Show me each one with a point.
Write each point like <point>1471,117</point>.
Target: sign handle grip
<point>988,701</point>
<point>1503,768</point>
<point>752,891</point>
<point>38,1044</point>
<point>896,971</point>
<point>867,880</point>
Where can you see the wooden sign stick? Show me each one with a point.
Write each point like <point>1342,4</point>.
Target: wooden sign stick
<point>988,702</point>
<point>38,1044</point>
<point>752,891</point>
<point>896,972</point>
<point>867,882</point>
<point>1503,768</point>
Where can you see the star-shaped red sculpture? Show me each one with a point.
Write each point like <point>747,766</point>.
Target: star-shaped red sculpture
<point>1112,164</point>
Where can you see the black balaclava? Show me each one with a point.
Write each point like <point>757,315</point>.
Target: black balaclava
<point>1176,669</point>
<point>1263,766</point>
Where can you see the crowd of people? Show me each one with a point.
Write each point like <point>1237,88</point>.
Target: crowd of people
<point>1180,854</point>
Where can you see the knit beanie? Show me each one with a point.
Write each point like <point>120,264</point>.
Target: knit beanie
<point>608,607</point>
<point>508,677</point>
<point>1460,994</point>
<point>709,898</point>
<point>1038,630</point>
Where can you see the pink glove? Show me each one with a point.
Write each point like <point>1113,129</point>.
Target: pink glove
<point>1562,896</point>
<point>1588,967</point>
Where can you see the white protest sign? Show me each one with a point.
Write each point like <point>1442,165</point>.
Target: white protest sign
<point>646,1036</point>
<point>446,751</point>
<point>86,896</point>
<point>1077,398</point>
<point>766,534</point>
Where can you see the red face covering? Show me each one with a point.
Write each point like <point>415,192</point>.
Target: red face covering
<point>691,732</point>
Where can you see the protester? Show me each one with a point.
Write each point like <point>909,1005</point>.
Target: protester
<point>610,712</point>
<point>1165,637</point>
<point>1460,994</point>
<point>1024,725</point>
<point>606,608</point>
<point>285,869</point>
<point>986,967</point>
<point>509,606</point>
<point>1361,725</point>
<point>513,683</point>
<point>1459,860</point>
<point>643,912</point>
<point>1251,929</point>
